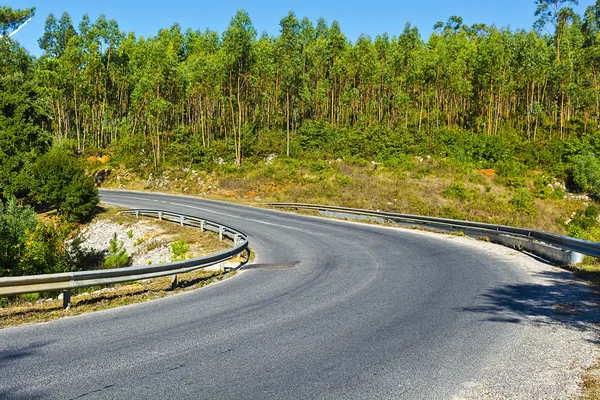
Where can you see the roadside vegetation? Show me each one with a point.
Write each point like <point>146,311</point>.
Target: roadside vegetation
<point>96,299</point>
<point>107,250</point>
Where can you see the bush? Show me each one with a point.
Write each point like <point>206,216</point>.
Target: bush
<point>510,173</point>
<point>58,181</point>
<point>584,225</point>
<point>117,256</point>
<point>522,201</point>
<point>584,174</point>
<point>459,192</point>
<point>16,223</point>
<point>180,249</point>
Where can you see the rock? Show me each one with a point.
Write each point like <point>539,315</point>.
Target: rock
<point>61,296</point>
<point>269,160</point>
<point>100,176</point>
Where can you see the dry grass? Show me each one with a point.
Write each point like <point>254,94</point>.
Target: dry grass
<point>590,384</point>
<point>95,300</point>
<point>169,232</point>
<point>588,270</point>
<point>414,191</point>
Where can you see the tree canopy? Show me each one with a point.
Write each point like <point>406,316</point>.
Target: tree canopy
<point>229,93</point>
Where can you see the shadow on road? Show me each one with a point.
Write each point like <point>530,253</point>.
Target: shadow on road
<point>15,389</point>
<point>558,298</point>
<point>9,355</point>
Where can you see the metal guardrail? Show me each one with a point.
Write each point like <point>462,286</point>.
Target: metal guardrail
<point>484,229</point>
<point>71,280</point>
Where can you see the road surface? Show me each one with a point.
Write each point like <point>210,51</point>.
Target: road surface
<point>332,310</point>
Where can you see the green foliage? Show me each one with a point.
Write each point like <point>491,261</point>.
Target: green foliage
<point>459,192</point>
<point>585,225</point>
<point>30,247</point>
<point>584,174</point>
<point>180,249</point>
<point>522,201</point>
<point>58,180</point>
<point>344,180</point>
<point>24,120</point>
<point>117,256</point>
<point>10,19</point>
<point>16,225</point>
<point>510,173</point>
<point>130,234</point>
<point>544,190</point>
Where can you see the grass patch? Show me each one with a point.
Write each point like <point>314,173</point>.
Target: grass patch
<point>431,186</point>
<point>590,384</point>
<point>588,270</point>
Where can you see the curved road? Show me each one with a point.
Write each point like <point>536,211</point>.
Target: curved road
<point>368,312</point>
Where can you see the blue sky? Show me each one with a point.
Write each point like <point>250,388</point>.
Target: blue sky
<point>370,17</point>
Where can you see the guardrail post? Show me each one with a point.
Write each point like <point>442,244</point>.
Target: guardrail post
<point>137,213</point>
<point>160,215</point>
<point>202,226</point>
<point>174,282</point>
<point>220,232</point>
<point>236,240</point>
<point>66,299</point>
<point>181,218</point>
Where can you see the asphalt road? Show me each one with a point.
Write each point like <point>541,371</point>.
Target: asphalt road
<point>368,312</point>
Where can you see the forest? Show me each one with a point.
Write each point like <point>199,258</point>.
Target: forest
<point>481,96</point>
<point>240,94</point>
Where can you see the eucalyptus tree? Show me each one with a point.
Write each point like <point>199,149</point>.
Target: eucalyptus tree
<point>202,72</point>
<point>337,47</point>
<point>555,13</point>
<point>236,55</point>
<point>57,34</point>
<point>289,55</point>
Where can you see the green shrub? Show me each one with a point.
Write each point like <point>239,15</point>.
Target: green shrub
<point>16,223</point>
<point>584,225</point>
<point>30,297</point>
<point>459,192</point>
<point>584,174</point>
<point>180,249</point>
<point>344,180</point>
<point>510,173</point>
<point>58,180</point>
<point>522,201</point>
<point>117,255</point>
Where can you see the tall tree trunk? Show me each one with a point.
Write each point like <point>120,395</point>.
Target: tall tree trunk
<point>287,113</point>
